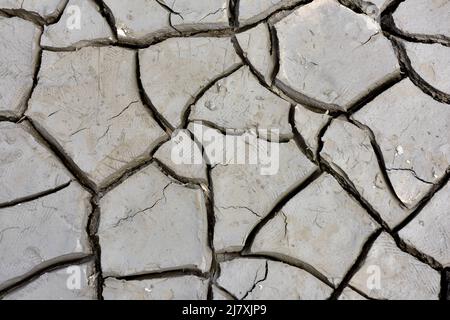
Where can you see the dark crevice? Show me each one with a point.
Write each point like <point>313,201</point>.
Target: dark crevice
<point>422,257</point>
<point>229,256</point>
<point>320,141</point>
<point>31,16</point>
<point>132,168</point>
<point>37,68</point>
<point>137,45</point>
<point>246,62</point>
<point>34,197</point>
<point>209,196</point>
<point>354,5</point>
<point>45,267</point>
<point>57,18</point>
<point>39,132</point>
<point>380,159</point>
<point>412,172</point>
<point>9,118</point>
<point>293,262</point>
<point>308,102</point>
<point>172,174</point>
<point>107,14</point>
<point>158,117</point>
<point>427,88</point>
<point>187,109</point>
<point>275,14</point>
<point>298,138</point>
<point>233,13</point>
<point>375,92</point>
<point>167,8</point>
<point>60,14</point>
<point>278,138</point>
<point>274,51</point>
<point>257,74</point>
<point>391,7</point>
<point>425,200</point>
<point>231,296</point>
<point>170,13</point>
<point>445,284</point>
<point>124,176</point>
<point>357,265</point>
<point>388,26</point>
<point>162,274</point>
<point>162,35</point>
<point>333,109</point>
<point>359,292</point>
<point>91,230</point>
<point>345,181</point>
<point>266,272</point>
<point>159,36</point>
<point>350,188</point>
<point>277,207</point>
<point>276,257</point>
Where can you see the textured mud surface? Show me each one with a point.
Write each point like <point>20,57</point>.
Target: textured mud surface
<point>94,95</point>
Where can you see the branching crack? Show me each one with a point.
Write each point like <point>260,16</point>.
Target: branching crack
<point>257,281</point>
<point>412,172</point>
<point>149,208</point>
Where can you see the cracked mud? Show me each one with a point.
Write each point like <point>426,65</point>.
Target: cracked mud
<point>94,96</point>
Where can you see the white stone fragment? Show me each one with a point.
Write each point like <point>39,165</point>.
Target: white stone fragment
<point>246,188</point>
<point>389,273</point>
<point>75,31</point>
<point>432,63</point>
<point>405,116</point>
<point>321,226</point>
<point>259,279</point>
<point>372,8</point>
<point>76,282</point>
<point>43,10</point>
<point>47,230</point>
<point>159,224</point>
<point>188,65</point>
<point>423,17</point>
<point>27,167</point>
<point>429,232</point>
<point>240,103</point>
<point>139,20</point>
<point>176,288</point>
<point>349,294</point>
<point>19,52</point>
<point>88,103</point>
<point>375,7</point>
<point>332,54</point>
<point>257,47</point>
<point>183,156</point>
<point>309,124</point>
<point>348,150</point>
